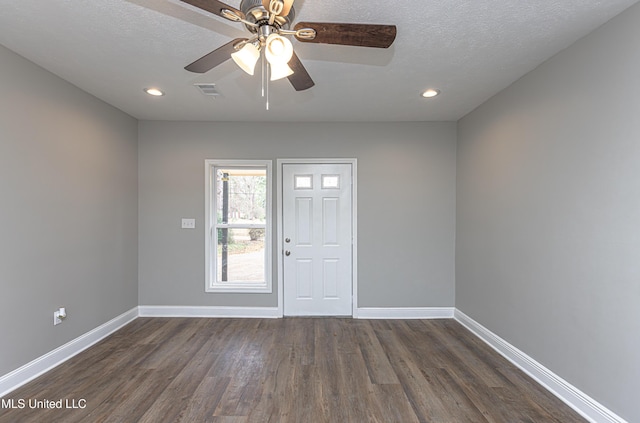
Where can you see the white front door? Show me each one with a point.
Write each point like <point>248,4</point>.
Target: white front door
<point>317,239</point>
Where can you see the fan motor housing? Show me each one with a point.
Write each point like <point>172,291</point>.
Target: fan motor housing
<point>255,12</point>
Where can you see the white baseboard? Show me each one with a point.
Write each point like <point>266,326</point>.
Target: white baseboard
<point>589,408</point>
<point>404,313</point>
<point>42,364</point>
<point>274,312</point>
<point>189,311</point>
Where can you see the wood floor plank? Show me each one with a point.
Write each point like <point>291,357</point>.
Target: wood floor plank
<point>268,408</point>
<point>333,404</point>
<point>354,381</point>
<point>378,366</point>
<point>290,370</point>
<point>537,395</point>
<point>468,356</point>
<point>426,404</point>
<point>521,410</point>
<point>205,399</point>
<point>172,402</point>
<point>393,404</point>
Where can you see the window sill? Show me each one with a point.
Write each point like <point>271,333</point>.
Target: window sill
<point>239,289</point>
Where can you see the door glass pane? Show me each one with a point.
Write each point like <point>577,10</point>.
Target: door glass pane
<point>241,256</point>
<point>241,195</point>
<point>330,181</point>
<point>303,181</point>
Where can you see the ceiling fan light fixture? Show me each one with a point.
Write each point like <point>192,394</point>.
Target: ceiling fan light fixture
<point>279,71</point>
<point>269,22</point>
<point>278,50</point>
<point>247,57</point>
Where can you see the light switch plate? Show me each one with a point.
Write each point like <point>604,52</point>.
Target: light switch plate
<point>188,223</point>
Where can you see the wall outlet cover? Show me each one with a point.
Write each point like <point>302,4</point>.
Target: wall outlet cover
<point>188,223</point>
<point>56,318</point>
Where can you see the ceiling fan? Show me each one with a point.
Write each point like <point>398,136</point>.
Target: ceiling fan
<point>269,23</point>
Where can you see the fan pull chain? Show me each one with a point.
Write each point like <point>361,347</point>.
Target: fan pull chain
<point>263,72</point>
<point>265,82</point>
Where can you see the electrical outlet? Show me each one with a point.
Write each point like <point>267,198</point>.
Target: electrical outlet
<point>59,315</point>
<point>188,223</point>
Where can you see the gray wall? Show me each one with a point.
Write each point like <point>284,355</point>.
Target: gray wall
<point>548,216</point>
<point>406,205</point>
<point>68,211</point>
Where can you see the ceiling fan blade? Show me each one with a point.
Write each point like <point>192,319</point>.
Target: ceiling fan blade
<point>214,6</point>
<point>285,9</point>
<point>300,79</point>
<point>215,58</point>
<point>349,34</point>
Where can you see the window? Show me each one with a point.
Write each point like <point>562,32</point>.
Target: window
<point>238,237</point>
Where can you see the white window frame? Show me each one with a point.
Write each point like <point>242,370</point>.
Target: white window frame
<point>211,284</point>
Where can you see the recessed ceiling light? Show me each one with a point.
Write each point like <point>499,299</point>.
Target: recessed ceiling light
<point>154,92</point>
<point>430,93</point>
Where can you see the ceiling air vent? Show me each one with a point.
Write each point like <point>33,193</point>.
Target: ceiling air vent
<point>209,89</point>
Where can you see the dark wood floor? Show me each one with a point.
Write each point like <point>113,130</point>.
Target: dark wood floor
<point>289,370</point>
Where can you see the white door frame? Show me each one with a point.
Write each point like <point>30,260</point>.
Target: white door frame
<point>354,227</point>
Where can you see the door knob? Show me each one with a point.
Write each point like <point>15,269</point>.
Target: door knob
<point>287,253</point>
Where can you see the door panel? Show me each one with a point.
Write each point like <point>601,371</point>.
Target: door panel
<point>317,222</point>
<point>304,221</point>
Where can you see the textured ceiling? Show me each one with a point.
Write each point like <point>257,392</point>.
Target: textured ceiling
<point>469,50</point>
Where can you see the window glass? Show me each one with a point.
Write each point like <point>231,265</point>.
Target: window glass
<point>245,258</point>
<point>241,195</point>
